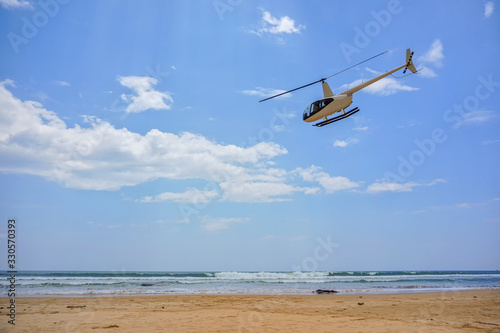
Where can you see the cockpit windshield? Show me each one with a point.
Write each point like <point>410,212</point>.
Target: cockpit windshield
<point>316,107</point>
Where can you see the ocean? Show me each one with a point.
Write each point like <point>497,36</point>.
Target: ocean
<point>64,283</point>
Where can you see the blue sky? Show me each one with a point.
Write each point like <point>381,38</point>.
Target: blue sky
<point>132,138</point>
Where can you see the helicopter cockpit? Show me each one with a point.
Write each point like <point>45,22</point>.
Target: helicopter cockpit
<point>316,107</point>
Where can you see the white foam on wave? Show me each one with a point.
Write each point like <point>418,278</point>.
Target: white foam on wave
<point>269,275</point>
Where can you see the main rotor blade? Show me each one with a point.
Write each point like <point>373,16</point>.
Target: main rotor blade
<point>289,91</point>
<point>359,63</point>
<point>321,80</point>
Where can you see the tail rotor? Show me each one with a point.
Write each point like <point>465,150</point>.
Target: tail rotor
<point>409,62</point>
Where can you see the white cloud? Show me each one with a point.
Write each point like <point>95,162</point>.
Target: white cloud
<point>265,92</point>
<point>92,223</point>
<point>330,184</point>
<point>490,142</point>
<point>215,224</point>
<point>36,141</point>
<point>345,143</point>
<point>408,124</point>
<point>145,97</point>
<point>191,195</point>
<point>13,4</point>
<point>434,55</point>
<point>387,86</point>
<point>476,118</point>
<point>489,7</point>
<point>466,205</point>
<point>276,26</point>
<point>259,191</point>
<point>384,186</point>
<point>427,72</point>
<point>361,128</point>
<point>384,87</point>
<point>61,83</point>
<point>391,187</point>
<point>279,26</point>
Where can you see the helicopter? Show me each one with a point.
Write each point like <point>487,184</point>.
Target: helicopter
<point>331,104</point>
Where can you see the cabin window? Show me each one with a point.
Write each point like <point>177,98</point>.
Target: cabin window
<point>316,107</point>
<point>307,112</point>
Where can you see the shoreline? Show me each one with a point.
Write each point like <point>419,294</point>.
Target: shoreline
<point>252,293</point>
<point>475,310</point>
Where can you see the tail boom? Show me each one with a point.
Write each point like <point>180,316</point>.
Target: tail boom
<point>408,65</point>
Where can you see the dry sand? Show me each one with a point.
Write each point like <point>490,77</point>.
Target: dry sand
<point>466,311</point>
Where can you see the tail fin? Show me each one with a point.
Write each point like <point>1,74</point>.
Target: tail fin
<point>409,62</point>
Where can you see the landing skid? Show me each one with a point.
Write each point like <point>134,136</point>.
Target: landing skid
<point>340,117</point>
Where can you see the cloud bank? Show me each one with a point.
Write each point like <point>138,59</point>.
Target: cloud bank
<point>98,156</point>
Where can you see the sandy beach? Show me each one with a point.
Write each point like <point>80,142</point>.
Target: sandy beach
<point>464,311</point>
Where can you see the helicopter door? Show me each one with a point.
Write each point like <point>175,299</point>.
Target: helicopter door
<point>316,107</point>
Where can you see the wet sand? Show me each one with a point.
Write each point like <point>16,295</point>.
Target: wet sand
<point>464,311</point>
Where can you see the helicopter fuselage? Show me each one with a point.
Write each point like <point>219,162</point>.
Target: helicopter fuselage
<point>326,106</point>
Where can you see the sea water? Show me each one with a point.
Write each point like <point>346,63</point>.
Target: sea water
<point>64,283</point>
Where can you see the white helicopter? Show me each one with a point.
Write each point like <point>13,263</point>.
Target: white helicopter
<point>331,104</point>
